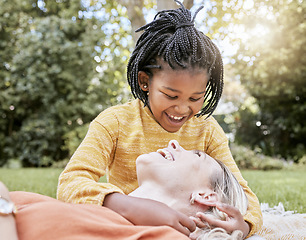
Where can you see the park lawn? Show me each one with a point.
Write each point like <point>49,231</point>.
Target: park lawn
<point>38,180</point>
<point>286,186</point>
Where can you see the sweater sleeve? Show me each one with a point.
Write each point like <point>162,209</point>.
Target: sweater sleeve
<point>78,183</point>
<point>219,149</point>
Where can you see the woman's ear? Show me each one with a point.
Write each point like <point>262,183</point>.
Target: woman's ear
<point>209,198</point>
<point>143,80</point>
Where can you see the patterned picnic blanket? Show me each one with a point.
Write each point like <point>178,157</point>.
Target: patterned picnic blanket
<point>279,224</point>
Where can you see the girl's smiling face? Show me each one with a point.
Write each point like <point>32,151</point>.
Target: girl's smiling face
<point>174,95</point>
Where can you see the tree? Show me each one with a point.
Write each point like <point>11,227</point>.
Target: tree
<point>275,56</point>
<point>57,77</point>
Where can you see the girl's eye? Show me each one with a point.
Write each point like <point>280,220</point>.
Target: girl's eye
<point>194,99</point>
<point>170,97</point>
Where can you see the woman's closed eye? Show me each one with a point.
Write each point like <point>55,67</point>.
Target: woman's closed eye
<point>200,154</point>
<point>197,152</point>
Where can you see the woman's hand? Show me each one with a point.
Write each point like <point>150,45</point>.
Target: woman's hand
<point>233,222</point>
<point>140,211</point>
<point>8,228</point>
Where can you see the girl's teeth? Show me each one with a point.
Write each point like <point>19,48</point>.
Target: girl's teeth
<point>176,118</point>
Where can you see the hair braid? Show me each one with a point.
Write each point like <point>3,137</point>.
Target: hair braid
<point>172,37</point>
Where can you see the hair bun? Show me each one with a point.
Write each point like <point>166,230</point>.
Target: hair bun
<point>186,24</point>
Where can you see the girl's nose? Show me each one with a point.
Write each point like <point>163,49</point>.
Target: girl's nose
<point>173,144</point>
<point>182,109</point>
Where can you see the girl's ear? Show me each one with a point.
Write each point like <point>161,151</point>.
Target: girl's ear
<point>209,198</point>
<point>143,80</point>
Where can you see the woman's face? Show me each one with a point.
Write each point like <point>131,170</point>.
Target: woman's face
<point>177,172</point>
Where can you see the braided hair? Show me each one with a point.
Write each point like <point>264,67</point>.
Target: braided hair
<point>172,37</point>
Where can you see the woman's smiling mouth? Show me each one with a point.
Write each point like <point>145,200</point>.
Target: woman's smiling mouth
<point>166,154</point>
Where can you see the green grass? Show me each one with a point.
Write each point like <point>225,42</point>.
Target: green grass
<point>286,186</point>
<point>38,180</point>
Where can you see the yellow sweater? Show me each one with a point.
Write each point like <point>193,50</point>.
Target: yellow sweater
<point>119,135</point>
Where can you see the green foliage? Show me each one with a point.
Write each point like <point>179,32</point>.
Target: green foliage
<point>250,159</point>
<point>302,161</point>
<point>271,64</point>
<point>57,73</point>
<point>74,138</point>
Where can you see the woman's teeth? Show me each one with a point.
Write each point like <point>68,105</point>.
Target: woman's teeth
<point>167,155</point>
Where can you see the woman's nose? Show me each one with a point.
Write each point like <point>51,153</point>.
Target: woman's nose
<point>173,144</point>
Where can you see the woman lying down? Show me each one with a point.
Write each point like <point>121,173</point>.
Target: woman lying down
<point>190,182</point>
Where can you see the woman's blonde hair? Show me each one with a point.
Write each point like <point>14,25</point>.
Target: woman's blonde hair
<point>219,234</point>
<point>230,192</point>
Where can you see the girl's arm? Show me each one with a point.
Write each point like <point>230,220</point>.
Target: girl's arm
<point>78,183</point>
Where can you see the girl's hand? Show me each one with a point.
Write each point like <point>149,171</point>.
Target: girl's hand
<point>234,221</point>
<point>140,211</point>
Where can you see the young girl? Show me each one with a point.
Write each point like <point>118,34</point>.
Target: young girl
<point>176,75</point>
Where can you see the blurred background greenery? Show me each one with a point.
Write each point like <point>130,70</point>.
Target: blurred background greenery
<point>63,62</point>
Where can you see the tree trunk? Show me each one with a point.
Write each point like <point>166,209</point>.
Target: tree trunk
<point>135,14</point>
<point>166,4</point>
<point>188,4</point>
<point>171,4</point>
